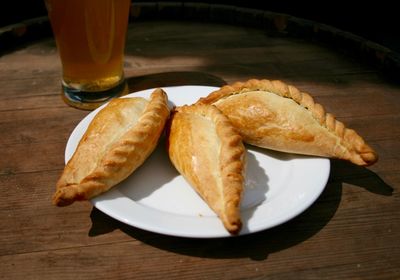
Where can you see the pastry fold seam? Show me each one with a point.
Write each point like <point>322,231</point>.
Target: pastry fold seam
<point>120,158</point>
<point>357,150</point>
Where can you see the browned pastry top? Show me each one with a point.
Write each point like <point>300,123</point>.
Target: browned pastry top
<point>275,115</point>
<point>207,150</point>
<point>118,140</point>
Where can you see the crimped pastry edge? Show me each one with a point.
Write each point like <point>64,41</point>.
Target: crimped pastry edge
<point>153,118</point>
<point>360,152</point>
<point>232,160</point>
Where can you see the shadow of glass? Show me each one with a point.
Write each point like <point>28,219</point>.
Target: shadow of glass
<point>179,78</point>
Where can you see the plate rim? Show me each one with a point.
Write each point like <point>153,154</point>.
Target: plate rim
<point>104,201</point>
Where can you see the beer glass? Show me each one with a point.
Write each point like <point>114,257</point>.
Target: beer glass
<point>90,37</point>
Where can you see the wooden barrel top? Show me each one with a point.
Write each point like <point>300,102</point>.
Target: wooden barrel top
<point>351,232</point>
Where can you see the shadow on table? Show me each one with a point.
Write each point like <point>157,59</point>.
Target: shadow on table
<point>178,78</point>
<point>343,171</point>
<point>259,245</point>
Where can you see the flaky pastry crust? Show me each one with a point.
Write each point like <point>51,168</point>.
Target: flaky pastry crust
<point>207,150</point>
<point>118,140</point>
<point>288,127</point>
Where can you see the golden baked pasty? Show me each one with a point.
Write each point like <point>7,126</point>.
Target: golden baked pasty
<point>207,150</point>
<point>118,140</point>
<point>277,116</point>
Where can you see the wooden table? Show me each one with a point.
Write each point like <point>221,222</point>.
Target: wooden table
<point>351,232</point>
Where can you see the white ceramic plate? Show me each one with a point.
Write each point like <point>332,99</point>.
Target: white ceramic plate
<point>156,198</point>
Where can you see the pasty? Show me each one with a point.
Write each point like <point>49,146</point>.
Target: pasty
<point>277,116</point>
<point>118,140</point>
<point>206,149</point>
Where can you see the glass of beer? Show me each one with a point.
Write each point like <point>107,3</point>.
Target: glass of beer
<point>90,37</point>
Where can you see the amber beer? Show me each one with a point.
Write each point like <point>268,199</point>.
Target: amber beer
<point>90,37</point>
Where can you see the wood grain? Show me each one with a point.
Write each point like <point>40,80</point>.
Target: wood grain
<point>351,232</point>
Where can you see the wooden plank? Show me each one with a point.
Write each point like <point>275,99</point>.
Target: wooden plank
<point>22,158</point>
<point>33,126</point>
<point>71,222</point>
<point>351,255</point>
<point>350,232</point>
